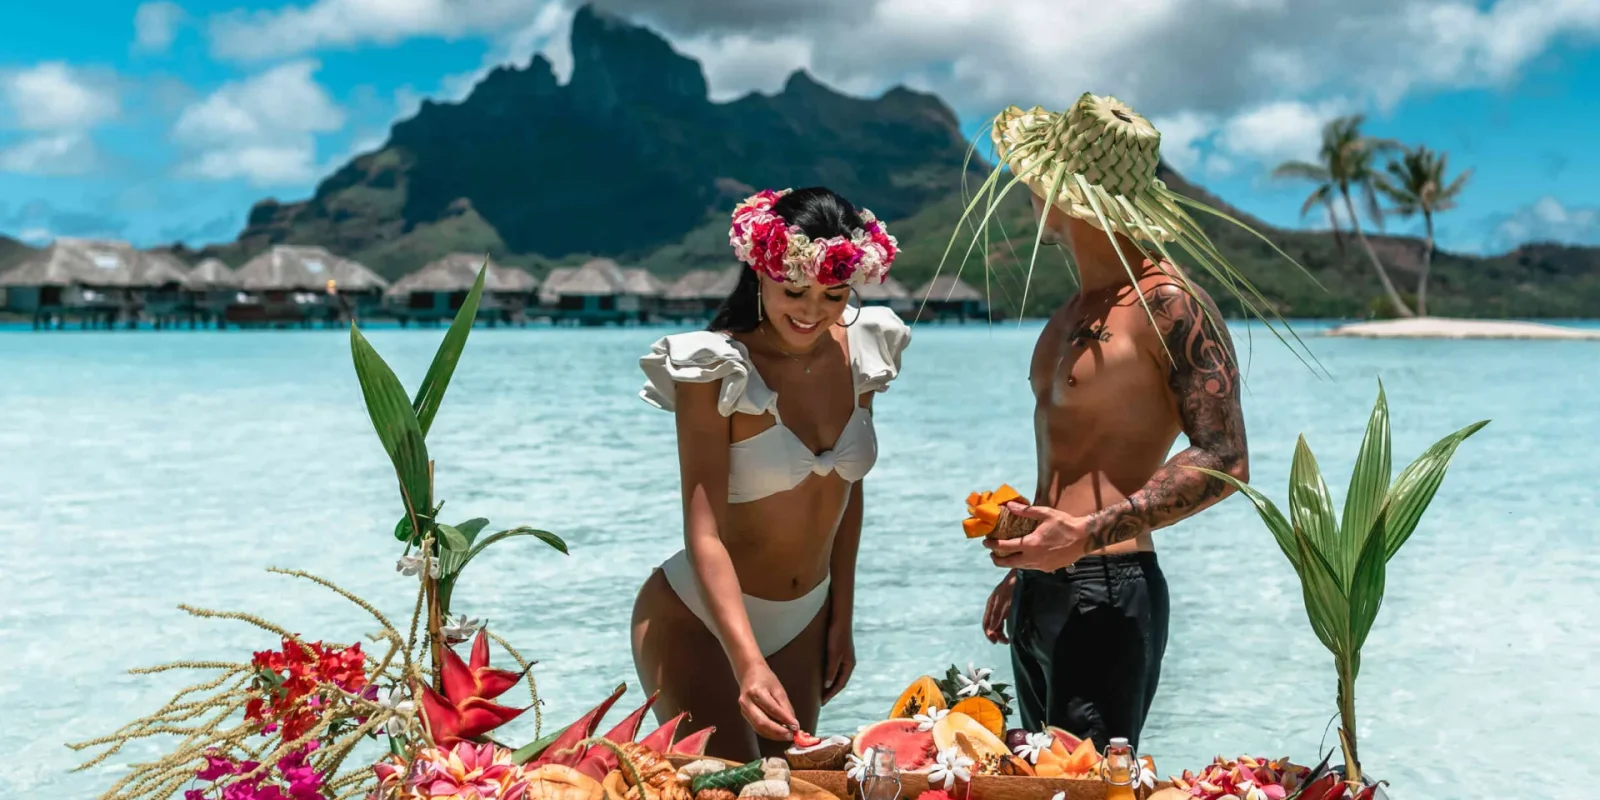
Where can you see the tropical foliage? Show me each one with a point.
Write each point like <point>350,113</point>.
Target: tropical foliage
<point>1342,562</point>
<point>284,724</point>
<point>1346,163</point>
<point>1416,185</point>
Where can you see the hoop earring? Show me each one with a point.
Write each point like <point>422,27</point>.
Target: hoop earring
<point>858,310</point>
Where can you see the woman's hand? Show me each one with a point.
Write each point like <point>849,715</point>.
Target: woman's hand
<point>765,705</point>
<point>998,610</point>
<point>840,660</point>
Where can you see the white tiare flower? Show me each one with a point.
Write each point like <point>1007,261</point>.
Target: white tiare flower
<point>927,719</point>
<point>459,628</point>
<point>1059,796</point>
<point>854,768</point>
<point>949,767</point>
<point>411,566</point>
<point>1035,744</point>
<point>1145,773</point>
<point>975,682</point>
<point>396,701</point>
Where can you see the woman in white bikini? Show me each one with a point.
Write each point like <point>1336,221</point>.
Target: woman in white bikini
<point>748,627</point>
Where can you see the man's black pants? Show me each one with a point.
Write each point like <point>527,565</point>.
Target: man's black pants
<point>1086,645</point>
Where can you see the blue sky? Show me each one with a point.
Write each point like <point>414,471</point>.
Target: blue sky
<point>167,120</point>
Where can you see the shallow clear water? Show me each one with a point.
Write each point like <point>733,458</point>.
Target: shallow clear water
<point>141,470</point>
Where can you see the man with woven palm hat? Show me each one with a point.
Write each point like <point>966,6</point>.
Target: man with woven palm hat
<point>1137,356</point>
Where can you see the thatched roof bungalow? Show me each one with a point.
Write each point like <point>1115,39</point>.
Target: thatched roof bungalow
<point>698,293</point>
<point>597,291</point>
<point>283,269</point>
<point>296,283</point>
<point>438,289</point>
<point>211,275</point>
<point>77,274</point>
<point>891,293</point>
<point>947,296</point>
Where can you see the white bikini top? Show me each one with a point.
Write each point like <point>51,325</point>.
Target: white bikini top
<point>775,460</point>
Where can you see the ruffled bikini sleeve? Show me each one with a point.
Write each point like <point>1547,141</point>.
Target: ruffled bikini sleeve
<point>877,340</point>
<point>704,357</point>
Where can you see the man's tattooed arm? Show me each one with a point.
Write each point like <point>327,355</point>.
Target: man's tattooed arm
<point>1203,374</point>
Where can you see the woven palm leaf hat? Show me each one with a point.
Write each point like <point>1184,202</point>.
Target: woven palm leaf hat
<point>1097,162</point>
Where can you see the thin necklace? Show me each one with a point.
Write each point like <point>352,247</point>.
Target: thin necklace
<point>778,346</point>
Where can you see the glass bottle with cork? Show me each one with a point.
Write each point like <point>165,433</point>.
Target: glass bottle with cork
<point>1120,771</point>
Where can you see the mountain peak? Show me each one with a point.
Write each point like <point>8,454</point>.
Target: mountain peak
<point>614,61</point>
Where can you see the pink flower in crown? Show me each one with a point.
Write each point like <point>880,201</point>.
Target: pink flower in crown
<point>769,239</point>
<point>836,262</point>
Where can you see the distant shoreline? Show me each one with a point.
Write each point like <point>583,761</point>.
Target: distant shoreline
<point>1453,328</point>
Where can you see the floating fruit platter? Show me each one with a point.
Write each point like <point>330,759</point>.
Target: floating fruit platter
<point>949,737</point>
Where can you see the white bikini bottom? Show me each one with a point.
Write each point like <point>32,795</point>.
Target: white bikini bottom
<point>774,622</point>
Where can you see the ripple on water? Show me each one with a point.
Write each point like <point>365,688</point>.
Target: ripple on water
<point>147,470</point>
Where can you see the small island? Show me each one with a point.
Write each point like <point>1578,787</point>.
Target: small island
<point>1446,328</point>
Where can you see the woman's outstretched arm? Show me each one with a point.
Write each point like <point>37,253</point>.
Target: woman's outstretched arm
<point>703,442</point>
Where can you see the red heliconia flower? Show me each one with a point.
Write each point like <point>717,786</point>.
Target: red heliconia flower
<point>464,712</point>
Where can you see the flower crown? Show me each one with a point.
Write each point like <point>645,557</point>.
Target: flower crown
<point>785,253</point>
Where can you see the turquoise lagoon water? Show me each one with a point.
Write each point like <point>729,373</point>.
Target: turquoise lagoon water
<point>142,470</point>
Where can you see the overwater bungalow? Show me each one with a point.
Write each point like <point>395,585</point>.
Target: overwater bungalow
<point>97,282</point>
<point>650,291</point>
<point>948,297</point>
<point>210,287</point>
<point>436,291</point>
<point>593,294</point>
<point>696,294</point>
<point>890,293</point>
<point>299,284</point>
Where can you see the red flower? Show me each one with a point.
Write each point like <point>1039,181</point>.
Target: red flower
<point>464,711</point>
<point>837,262</point>
<point>297,672</point>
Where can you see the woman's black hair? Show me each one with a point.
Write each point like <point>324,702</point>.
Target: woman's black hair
<point>818,212</point>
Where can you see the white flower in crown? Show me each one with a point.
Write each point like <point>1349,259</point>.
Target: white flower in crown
<point>975,682</point>
<point>927,719</point>
<point>950,766</point>
<point>1033,745</point>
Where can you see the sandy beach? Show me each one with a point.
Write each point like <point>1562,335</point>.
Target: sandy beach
<point>1444,328</point>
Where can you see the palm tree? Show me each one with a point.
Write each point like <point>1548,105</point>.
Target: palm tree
<point>1347,163</point>
<point>1415,184</point>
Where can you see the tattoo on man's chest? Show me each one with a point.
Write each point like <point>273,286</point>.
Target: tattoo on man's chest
<point>1090,332</point>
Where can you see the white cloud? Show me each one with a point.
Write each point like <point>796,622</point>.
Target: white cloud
<point>55,97</point>
<point>1548,220</point>
<point>1261,76</point>
<point>1246,82</point>
<point>324,24</point>
<point>53,154</point>
<point>543,32</point>
<point>262,128</point>
<point>155,25</point>
<point>1279,131</point>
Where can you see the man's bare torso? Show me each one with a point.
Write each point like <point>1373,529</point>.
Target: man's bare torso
<point>1105,417</point>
